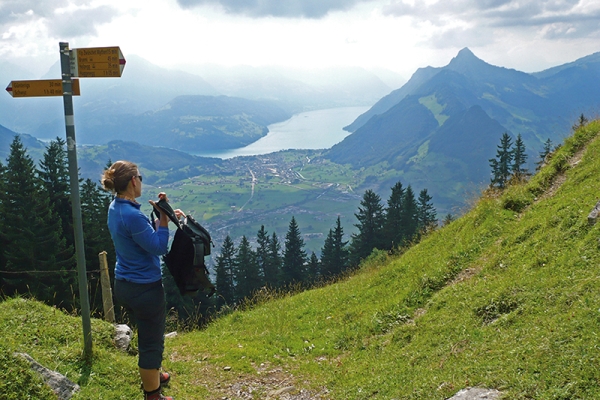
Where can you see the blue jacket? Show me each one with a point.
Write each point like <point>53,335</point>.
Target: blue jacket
<point>137,244</point>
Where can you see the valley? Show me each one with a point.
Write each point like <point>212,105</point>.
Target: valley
<point>239,195</point>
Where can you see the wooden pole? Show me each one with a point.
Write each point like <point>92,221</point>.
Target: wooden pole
<point>107,301</point>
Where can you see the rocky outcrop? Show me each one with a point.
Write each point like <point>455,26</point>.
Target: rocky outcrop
<point>476,394</point>
<point>59,384</point>
<point>593,215</point>
<point>123,337</point>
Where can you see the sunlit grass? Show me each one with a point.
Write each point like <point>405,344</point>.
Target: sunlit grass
<point>505,297</point>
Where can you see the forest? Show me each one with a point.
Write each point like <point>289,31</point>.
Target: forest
<point>37,256</point>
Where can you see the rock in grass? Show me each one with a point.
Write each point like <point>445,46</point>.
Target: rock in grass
<point>59,384</point>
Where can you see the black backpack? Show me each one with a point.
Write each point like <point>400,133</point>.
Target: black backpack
<point>185,259</point>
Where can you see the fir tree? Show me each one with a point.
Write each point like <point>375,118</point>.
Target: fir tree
<point>543,154</point>
<point>501,165</point>
<point>581,122</point>
<point>314,268</point>
<point>448,219</point>
<point>393,228</point>
<point>262,254</point>
<point>225,264</point>
<point>34,243</point>
<point>426,214</point>
<point>246,271</point>
<point>519,159</point>
<point>96,236</point>
<point>334,254</point>
<point>54,172</point>
<point>274,262</point>
<point>371,218</point>
<point>294,256</point>
<point>409,215</point>
<point>329,265</point>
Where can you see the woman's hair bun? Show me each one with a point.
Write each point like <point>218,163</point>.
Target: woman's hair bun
<point>116,178</point>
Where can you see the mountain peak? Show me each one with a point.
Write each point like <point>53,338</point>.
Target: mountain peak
<point>465,59</point>
<point>468,64</point>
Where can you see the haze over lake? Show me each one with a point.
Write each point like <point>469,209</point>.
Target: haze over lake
<point>319,129</point>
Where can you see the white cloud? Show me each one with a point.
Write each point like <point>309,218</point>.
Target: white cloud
<point>278,8</point>
<point>400,35</point>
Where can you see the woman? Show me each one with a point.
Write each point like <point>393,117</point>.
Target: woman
<point>138,280</point>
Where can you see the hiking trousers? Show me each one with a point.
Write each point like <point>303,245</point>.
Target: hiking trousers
<point>146,302</point>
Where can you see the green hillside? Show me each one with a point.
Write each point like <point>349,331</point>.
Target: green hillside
<point>506,297</point>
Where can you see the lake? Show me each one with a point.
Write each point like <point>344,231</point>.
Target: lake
<point>319,129</point>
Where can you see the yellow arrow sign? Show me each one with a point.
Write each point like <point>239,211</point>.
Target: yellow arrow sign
<point>97,62</point>
<point>40,88</point>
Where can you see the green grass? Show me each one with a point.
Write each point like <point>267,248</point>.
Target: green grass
<point>506,297</point>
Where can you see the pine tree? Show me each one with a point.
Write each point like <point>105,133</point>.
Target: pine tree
<point>394,232</point>
<point>371,218</point>
<point>581,122</point>
<point>34,239</point>
<point>426,214</point>
<point>448,219</point>
<point>54,172</point>
<point>408,217</point>
<point>262,254</point>
<point>294,256</point>
<point>96,236</point>
<point>314,268</point>
<point>274,262</point>
<point>334,254</point>
<point>501,165</point>
<point>329,265</point>
<point>519,159</point>
<point>543,154</point>
<point>246,271</point>
<point>225,264</point>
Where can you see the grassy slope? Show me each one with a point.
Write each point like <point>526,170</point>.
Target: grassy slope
<point>507,297</point>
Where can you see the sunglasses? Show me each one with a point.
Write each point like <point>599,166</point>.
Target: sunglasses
<point>139,176</point>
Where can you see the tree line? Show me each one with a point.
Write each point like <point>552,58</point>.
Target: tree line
<point>37,254</point>
<point>241,271</point>
<point>511,158</point>
<point>37,245</point>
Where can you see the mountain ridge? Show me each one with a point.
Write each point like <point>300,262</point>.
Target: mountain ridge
<point>514,102</point>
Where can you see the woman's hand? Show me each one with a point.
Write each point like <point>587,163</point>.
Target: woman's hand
<point>164,220</point>
<point>179,214</point>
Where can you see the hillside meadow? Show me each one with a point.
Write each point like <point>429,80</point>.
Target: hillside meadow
<point>506,297</point>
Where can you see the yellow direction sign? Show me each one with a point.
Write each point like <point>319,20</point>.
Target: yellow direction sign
<point>97,62</point>
<point>40,88</point>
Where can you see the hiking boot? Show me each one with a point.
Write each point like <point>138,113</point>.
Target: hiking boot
<point>165,377</point>
<point>155,395</point>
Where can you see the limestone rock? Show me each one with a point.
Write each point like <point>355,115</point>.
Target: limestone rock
<point>593,215</point>
<point>123,337</point>
<point>476,394</point>
<point>59,384</point>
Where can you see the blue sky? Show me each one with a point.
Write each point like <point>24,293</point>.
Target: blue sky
<point>397,35</point>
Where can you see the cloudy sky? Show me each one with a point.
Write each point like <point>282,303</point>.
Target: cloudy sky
<point>399,35</point>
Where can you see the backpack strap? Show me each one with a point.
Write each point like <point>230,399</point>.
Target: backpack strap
<point>168,210</point>
<point>198,252</point>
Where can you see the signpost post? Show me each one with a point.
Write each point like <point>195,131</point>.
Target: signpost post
<point>75,200</point>
<point>95,62</point>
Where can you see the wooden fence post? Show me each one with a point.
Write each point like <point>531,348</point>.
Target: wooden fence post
<point>107,301</point>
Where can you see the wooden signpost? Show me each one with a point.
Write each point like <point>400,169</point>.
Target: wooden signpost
<point>40,88</point>
<point>95,62</point>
